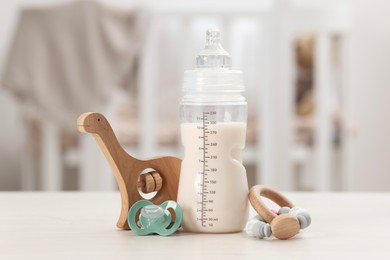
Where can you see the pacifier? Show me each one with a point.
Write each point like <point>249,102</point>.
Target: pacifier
<point>154,219</point>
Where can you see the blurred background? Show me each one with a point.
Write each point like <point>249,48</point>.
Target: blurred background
<point>316,73</point>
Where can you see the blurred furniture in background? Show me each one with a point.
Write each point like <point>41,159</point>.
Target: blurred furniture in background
<point>290,142</point>
<point>260,37</point>
<point>65,60</point>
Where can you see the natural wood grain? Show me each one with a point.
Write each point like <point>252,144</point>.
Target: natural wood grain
<point>127,169</point>
<point>283,226</point>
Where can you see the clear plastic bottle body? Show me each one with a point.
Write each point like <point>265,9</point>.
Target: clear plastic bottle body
<point>213,186</point>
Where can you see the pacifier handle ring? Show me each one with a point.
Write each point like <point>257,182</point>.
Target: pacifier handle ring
<point>258,204</point>
<point>178,212</point>
<point>132,222</point>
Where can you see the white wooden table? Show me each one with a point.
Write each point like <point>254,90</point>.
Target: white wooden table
<point>82,226</point>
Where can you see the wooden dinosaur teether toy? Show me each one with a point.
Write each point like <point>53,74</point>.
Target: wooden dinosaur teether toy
<point>127,169</point>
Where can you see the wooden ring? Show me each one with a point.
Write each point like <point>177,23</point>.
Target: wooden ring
<point>283,226</point>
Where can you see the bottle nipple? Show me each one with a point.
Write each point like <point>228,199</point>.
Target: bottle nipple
<point>213,55</point>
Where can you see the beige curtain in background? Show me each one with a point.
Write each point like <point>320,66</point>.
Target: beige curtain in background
<point>66,59</point>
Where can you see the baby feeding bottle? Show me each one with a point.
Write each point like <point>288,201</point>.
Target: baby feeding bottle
<point>213,188</point>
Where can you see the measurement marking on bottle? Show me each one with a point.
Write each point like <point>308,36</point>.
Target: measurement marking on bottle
<point>204,167</point>
<point>206,192</point>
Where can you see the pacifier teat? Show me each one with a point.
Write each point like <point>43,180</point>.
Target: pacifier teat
<point>154,219</point>
<point>213,55</point>
<point>152,212</point>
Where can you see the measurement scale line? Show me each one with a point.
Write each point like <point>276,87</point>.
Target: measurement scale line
<point>204,167</point>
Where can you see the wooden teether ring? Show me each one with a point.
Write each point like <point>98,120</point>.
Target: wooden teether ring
<point>283,226</point>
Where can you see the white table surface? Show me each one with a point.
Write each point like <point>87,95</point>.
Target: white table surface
<point>82,226</point>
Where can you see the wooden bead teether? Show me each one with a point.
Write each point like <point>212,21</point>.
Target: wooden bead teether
<point>283,226</point>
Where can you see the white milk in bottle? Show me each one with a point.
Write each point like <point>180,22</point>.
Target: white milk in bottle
<point>213,188</point>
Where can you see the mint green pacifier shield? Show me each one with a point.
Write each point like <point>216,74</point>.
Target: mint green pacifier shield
<point>154,219</point>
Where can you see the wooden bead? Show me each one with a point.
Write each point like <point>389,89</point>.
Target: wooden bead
<point>150,182</point>
<point>157,180</point>
<point>285,226</point>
